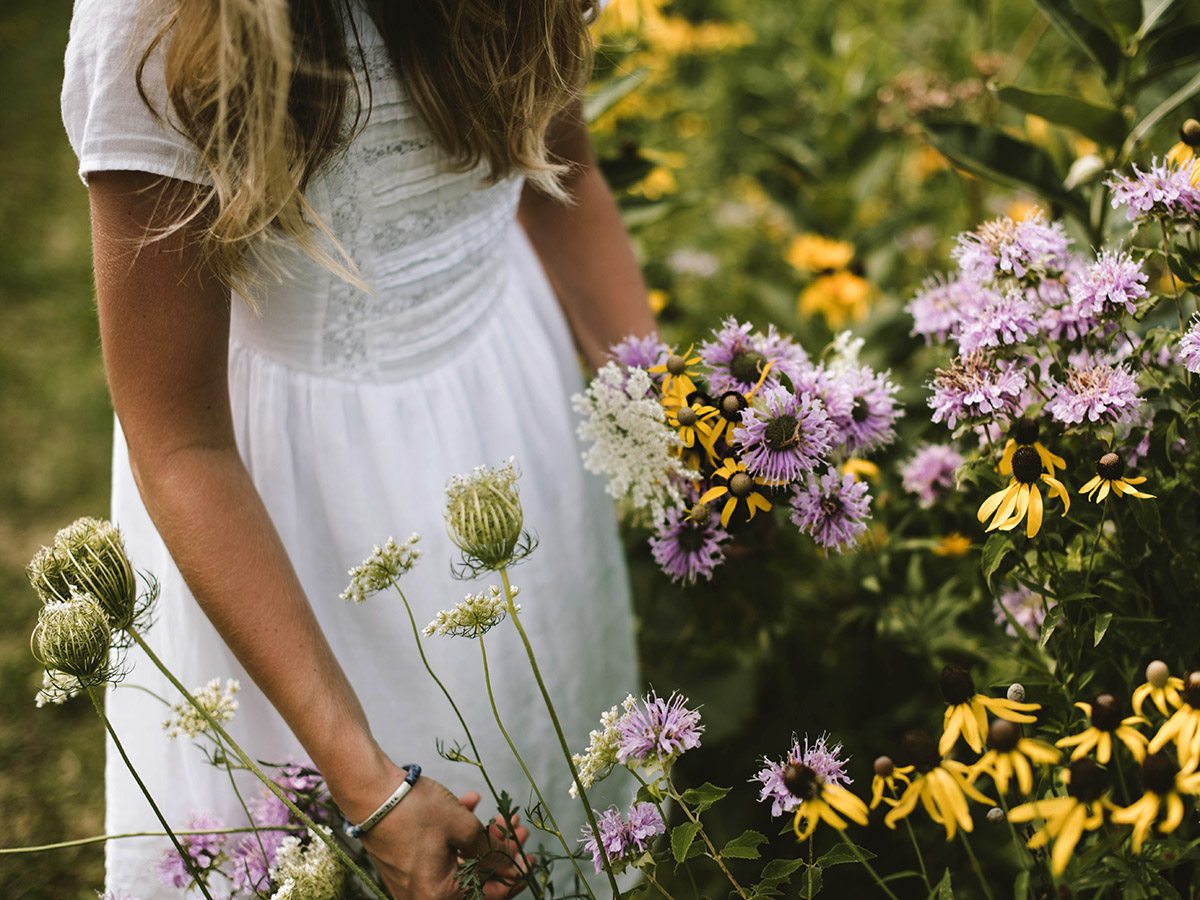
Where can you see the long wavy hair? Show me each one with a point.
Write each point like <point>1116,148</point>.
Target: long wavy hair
<point>265,90</point>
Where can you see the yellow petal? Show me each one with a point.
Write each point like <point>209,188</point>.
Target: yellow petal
<point>728,511</point>
<point>1091,485</point>
<point>1035,512</point>
<point>1068,837</point>
<point>991,503</point>
<point>1104,488</point>
<point>1006,459</point>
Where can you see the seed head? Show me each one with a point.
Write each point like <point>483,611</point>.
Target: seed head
<point>957,684</point>
<point>921,750</point>
<point>884,767</point>
<point>88,554</point>
<point>676,365</point>
<point>1106,712</point>
<point>1004,735</point>
<point>1157,674</point>
<point>74,636</point>
<point>1110,466</point>
<point>1016,693</point>
<point>741,484</point>
<point>1189,133</point>
<point>686,416</point>
<point>801,780</point>
<point>484,517</point>
<point>1025,430</point>
<point>1158,773</point>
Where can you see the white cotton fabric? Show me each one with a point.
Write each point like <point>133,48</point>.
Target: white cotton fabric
<point>352,410</point>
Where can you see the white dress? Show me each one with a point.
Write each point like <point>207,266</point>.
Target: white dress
<point>352,410</point>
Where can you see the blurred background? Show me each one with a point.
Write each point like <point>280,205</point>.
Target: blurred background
<point>737,133</point>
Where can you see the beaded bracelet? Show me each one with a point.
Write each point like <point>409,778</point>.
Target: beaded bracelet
<point>354,831</point>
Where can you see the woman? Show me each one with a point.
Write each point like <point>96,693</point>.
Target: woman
<point>402,330</point>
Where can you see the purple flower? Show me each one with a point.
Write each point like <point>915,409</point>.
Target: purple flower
<point>254,854</point>
<point>930,472</point>
<point>738,357</point>
<point>939,306</point>
<point>788,436</point>
<point>1027,609</point>
<point>824,761</point>
<point>640,352</point>
<point>973,388</point>
<point>1031,249</point>
<point>685,548</point>
<point>1110,287</point>
<point>870,421</point>
<point>202,848</point>
<point>1097,393</point>
<point>833,393</point>
<point>1189,346</point>
<point>833,509</point>
<point>657,731</point>
<point>1003,318</point>
<point>623,839</point>
<point>1164,192</point>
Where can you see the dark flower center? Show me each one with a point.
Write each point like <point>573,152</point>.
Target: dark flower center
<point>1189,133</point>
<point>957,684</point>
<point>676,365</point>
<point>1087,781</point>
<point>921,749</point>
<point>731,405</point>
<point>861,410</point>
<point>1110,467</point>
<point>747,366</point>
<point>686,416</point>
<point>1191,688</point>
<point>698,398</point>
<point>1025,430</point>
<point>831,506</point>
<point>1158,773</point>
<point>1004,735</point>
<point>692,539</point>
<point>741,484</point>
<point>700,513</point>
<point>782,432</point>
<point>1106,712</point>
<point>1027,465</point>
<point>884,767</point>
<point>801,780</point>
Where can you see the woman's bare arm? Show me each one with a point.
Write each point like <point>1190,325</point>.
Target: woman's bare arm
<point>164,324</point>
<point>585,249</point>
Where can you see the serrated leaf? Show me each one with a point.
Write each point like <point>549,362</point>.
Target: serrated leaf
<point>1090,39</point>
<point>810,882</point>
<point>701,798</point>
<point>778,869</point>
<point>1102,622</point>
<point>1103,124</point>
<point>681,839</point>
<point>651,792</point>
<point>745,845</point>
<point>843,853</point>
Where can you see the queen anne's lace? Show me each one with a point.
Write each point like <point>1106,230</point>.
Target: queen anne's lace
<point>475,615</point>
<point>218,702</point>
<point>309,872</point>
<point>601,754</point>
<point>385,565</point>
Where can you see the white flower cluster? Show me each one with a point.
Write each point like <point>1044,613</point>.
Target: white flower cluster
<point>385,565</point>
<point>601,755</point>
<point>844,354</point>
<point>475,615</point>
<point>218,702</point>
<point>630,441</point>
<point>57,688</point>
<point>307,872</point>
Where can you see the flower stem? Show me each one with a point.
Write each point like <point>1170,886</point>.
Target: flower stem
<point>987,892</point>
<point>1087,584</point>
<point>654,881</point>
<point>487,678</point>
<point>562,740</point>
<point>866,865</point>
<point>101,838</point>
<point>1016,838</point>
<point>275,789</point>
<point>713,854</point>
<point>912,836</point>
<point>193,869</point>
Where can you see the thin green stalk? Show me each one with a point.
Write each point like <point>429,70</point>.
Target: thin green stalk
<point>249,817</point>
<point>487,678</point>
<point>663,813</point>
<point>713,854</point>
<point>912,836</point>
<point>866,865</point>
<point>275,789</point>
<point>190,863</point>
<point>562,740</point>
<point>654,881</point>
<point>1087,584</point>
<point>1022,850</point>
<point>987,892</point>
<point>101,838</point>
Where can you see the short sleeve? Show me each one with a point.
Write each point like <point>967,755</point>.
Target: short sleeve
<point>108,124</point>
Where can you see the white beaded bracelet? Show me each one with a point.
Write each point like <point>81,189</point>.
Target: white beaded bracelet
<point>354,831</point>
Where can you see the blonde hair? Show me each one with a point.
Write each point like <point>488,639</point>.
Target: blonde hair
<point>263,89</point>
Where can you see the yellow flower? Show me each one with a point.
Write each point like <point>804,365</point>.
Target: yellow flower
<point>1185,153</point>
<point>814,253</point>
<point>1110,471</point>
<point>658,182</point>
<point>1025,434</point>
<point>658,300</point>
<point>838,296</point>
<point>861,468</point>
<point>1010,504</point>
<point>1065,819</point>
<point>695,424</point>
<point>941,785</point>
<point>678,382</point>
<point>738,486</point>
<point>887,773</point>
<point>1010,753</point>
<point>1184,725</point>
<point>1106,722</point>
<point>952,544</point>
<point>967,711</point>
<point>821,801</point>
<point>1161,686</point>
<point>1164,782</point>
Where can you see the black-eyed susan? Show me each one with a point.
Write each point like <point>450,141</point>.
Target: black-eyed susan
<point>1023,496</point>
<point>887,774</point>
<point>1184,725</point>
<point>1010,754</point>
<point>838,296</point>
<point>1104,713</point>
<point>729,408</point>
<point>817,253</point>
<point>1161,687</point>
<point>1187,152</point>
<point>1065,819</point>
<point>1024,433</point>
<point>1110,476</point>
<point>940,785</point>
<point>678,371</point>
<point>1164,783</point>
<point>860,469</point>
<point>821,800</point>
<point>739,486</point>
<point>694,422</point>
<point>967,711</point>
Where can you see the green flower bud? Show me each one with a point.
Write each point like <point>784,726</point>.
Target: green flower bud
<point>88,554</point>
<point>484,517</point>
<point>73,637</point>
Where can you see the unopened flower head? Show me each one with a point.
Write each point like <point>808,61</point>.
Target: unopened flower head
<point>484,517</point>
<point>475,615</point>
<point>74,637</point>
<point>382,568</point>
<point>219,702</point>
<point>601,754</point>
<point>307,870</point>
<point>88,554</point>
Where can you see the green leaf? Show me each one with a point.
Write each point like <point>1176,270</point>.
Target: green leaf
<point>1091,40</point>
<point>681,839</point>
<point>1157,9</point>
<point>745,845</point>
<point>942,890</point>
<point>1102,622</point>
<point>651,792</point>
<point>1125,14</point>
<point>1021,885</point>
<point>778,869</point>
<point>1049,624</point>
<point>997,547</point>
<point>843,853</point>
<point>1168,106</point>
<point>609,94</point>
<point>810,882</point>
<point>1005,160</point>
<point>1173,48</point>
<point>1103,124</point>
<point>701,798</point>
<point>1145,513</point>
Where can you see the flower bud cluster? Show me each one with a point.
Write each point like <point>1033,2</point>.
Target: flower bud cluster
<point>474,616</point>
<point>484,518</point>
<point>218,702</point>
<point>383,567</point>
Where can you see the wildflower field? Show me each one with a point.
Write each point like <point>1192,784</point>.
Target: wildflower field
<point>920,546</point>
